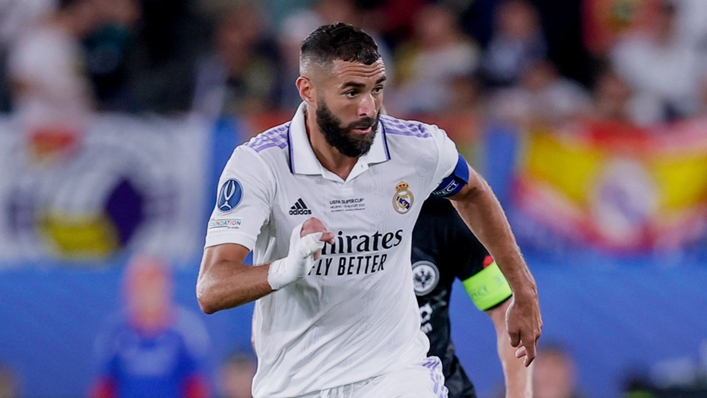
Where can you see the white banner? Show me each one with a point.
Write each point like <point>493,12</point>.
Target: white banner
<point>128,183</point>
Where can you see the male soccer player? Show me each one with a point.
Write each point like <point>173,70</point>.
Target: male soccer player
<point>327,202</point>
<point>443,249</point>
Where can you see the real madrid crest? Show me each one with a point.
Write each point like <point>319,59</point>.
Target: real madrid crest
<point>403,199</point>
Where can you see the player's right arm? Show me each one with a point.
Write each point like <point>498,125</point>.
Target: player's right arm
<point>244,202</point>
<point>225,281</point>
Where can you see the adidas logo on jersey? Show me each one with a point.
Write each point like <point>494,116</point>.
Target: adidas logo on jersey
<point>299,208</point>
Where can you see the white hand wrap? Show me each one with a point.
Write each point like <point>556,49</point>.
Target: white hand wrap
<point>299,260</point>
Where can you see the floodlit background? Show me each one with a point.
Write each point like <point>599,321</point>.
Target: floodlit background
<point>587,117</point>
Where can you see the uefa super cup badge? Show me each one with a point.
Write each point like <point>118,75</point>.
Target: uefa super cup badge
<point>403,199</point>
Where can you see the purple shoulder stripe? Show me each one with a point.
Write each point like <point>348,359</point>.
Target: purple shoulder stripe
<point>404,127</point>
<point>275,137</point>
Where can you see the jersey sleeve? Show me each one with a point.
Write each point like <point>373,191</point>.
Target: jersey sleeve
<point>448,155</point>
<point>243,200</point>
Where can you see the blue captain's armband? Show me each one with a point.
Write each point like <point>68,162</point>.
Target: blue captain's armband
<point>454,182</point>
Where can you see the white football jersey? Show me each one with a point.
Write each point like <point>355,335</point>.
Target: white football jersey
<point>354,316</point>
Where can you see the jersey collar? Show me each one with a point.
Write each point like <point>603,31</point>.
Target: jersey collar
<point>303,160</point>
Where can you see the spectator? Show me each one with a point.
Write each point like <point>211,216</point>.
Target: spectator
<point>543,97</point>
<point>238,77</point>
<point>293,30</point>
<point>52,95</point>
<point>107,52</point>
<point>604,21</point>
<point>660,67</point>
<point>464,118</point>
<point>298,25</point>
<point>555,373</point>
<point>692,22</point>
<point>466,96</point>
<point>236,375</point>
<point>15,18</point>
<point>155,348</point>
<point>612,98</point>
<point>395,19</point>
<point>427,65</point>
<point>517,43</point>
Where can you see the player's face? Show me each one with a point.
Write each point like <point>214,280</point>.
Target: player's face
<point>349,109</point>
<point>352,140</point>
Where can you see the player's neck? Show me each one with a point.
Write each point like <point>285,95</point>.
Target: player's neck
<point>330,157</point>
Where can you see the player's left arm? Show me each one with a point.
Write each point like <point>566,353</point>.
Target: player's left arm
<point>481,211</point>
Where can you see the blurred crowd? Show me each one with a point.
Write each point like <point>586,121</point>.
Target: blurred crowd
<point>521,61</point>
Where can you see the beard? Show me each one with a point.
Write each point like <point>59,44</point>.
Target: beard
<point>344,139</point>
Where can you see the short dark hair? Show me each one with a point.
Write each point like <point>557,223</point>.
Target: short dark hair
<point>339,41</point>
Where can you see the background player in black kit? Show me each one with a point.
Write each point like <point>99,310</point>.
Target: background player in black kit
<point>443,248</point>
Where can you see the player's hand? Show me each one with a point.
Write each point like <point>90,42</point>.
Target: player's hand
<point>520,351</point>
<point>524,324</point>
<point>306,242</point>
<point>312,226</point>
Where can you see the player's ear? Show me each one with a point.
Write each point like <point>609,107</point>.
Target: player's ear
<point>305,87</point>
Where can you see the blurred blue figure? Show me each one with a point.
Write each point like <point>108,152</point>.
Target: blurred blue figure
<point>155,348</point>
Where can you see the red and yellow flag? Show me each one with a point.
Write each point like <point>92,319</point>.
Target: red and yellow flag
<point>618,187</point>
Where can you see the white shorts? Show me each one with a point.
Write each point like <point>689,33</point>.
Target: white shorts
<point>420,380</point>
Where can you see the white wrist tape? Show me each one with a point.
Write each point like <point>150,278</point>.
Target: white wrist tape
<point>299,260</point>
